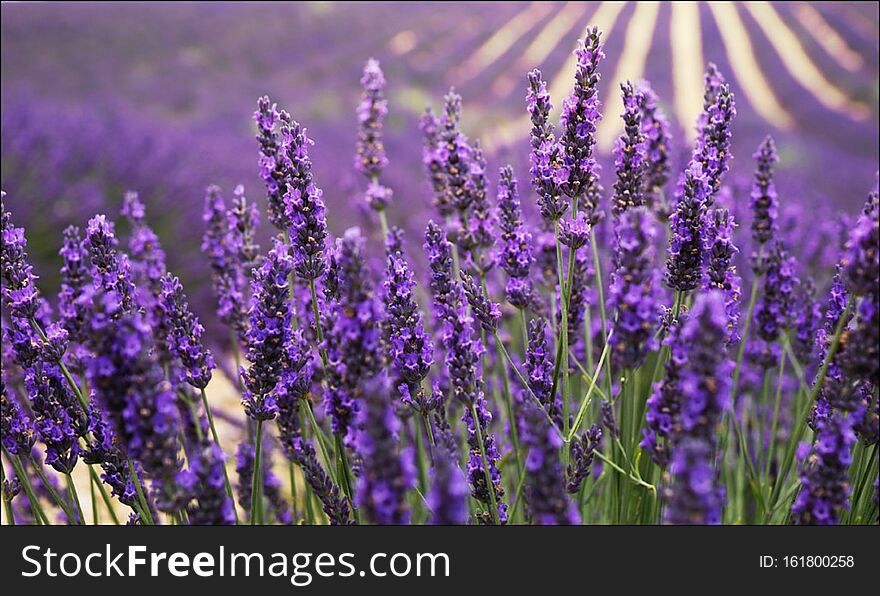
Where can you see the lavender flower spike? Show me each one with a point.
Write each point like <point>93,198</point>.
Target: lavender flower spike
<point>824,477</point>
<point>272,161</point>
<point>685,259</point>
<point>720,269</point>
<point>488,313</point>
<point>388,472</point>
<point>629,153</point>
<point>764,201</point>
<point>303,203</point>
<point>712,145</point>
<point>17,432</point>
<point>184,333</point>
<point>19,291</point>
<point>583,450</point>
<point>448,497</point>
<point>545,488</point>
<point>111,271</point>
<point>579,119</point>
<point>412,351</point>
<point>545,157</point>
<point>370,159</point>
<point>269,333</point>
<point>75,293</point>
<point>633,290</point>
<point>655,130</point>
<point>516,255</point>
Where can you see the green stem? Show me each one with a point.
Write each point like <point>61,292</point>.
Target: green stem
<point>562,353</point>
<point>144,506</point>
<point>772,448</point>
<point>597,266</point>
<point>256,480</point>
<point>216,438</point>
<point>59,500</point>
<point>104,496</point>
<point>634,479</point>
<point>36,507</point>
<point>586,401</point>
<point>383,221</point>
<point>71,489</point>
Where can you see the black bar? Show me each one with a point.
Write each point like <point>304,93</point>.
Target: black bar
<point>679,560</point>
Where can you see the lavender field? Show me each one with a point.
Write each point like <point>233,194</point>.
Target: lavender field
<point>440,263</point>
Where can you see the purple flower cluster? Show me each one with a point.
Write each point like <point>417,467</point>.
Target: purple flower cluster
<point>655,131</point>
<point>720,271</point>
<point>545,488</point>
<point>539,370</point>
<point>582,453</point>
<point>476,470</point>
<point>774,308</point>
<point>76,289</point>
<point>20,293</point>
<point>703,385</point>
<point>411,348</point>
<point>353,335</point>
<point>370,159</point>
<point>685,257</point>
<point>388,471</point>
<point>204,480</point>
<point>630,156</point>
<point>268,333</point>
<point>184,334</point>
<point>580,116</point>
<point>712,146</point>
<point>764,201</point>
<point>130,387</point>
<point>825,487</point>
<point>515,255</point>
<point>633,290</point>
<point>545,157</point>
<point>449,491</point>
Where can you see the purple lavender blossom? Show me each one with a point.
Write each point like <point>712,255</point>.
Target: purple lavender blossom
<point>75,293</point>
<point>370,158</point>
<point>824,477</point>
<point>243,219</point>
<point>694,497</point>
<point>17,431</point>
<point>773,311</point>
<point>475,469</point>
<point>353,335</point>
<point>449,491</point>
<point>545,157</point>
<point>206,482</point>
<point>184,334</point>
<point>807,322</point>
<point>388,471</point>
<point>582,453</point>
<point>488,313</point>
<point>630,154</point>
<point>764,201</point>
<point>19,291</point>
<point>575,233</point>
<point>478,223</point>
<point>227,276</point>
<point>859,358</point>
<point>147,256</point>
<point>712,145</point>
<point>268,333</point>
<point>244,467</point>
<point>515,255</point>
<point>430,127</point>
<point>633,290</point>
<point>110,269</point>
<point>685,259</point>
<point>539,371</point>
<point>861,259</point>
<point>272,164</point>
<point>303,203</point>
<point>103,450</point>
<point>608,419</point>
<point>545,489</point>
<point>720,271</point>
<point>655,130</point>
<point>454,155</point>
<point>580,116</point>
<point>130,386</point>
<point>412,352</point>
